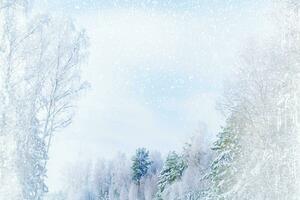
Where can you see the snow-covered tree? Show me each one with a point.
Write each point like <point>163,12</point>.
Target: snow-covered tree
<point>40,61</point>
<point>140,165</point>
<point>263,107</point>
<point>120,177</point>
<point>102,179</point>
<point>222,175</point>
<point>150,181</point>
<point>172,171</point>
<point>197,158</point>
<point>78,181</point>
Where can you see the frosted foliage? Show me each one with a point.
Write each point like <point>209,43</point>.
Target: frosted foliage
<point>263,104</point>
<point>8,176</point>
<point>40,78</point>
<point>190,185</point>
<point>111,180</point>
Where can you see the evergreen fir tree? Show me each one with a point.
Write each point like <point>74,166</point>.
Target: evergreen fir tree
<point>173,169</point>
<point>223,169</point>
<point>141,164</point>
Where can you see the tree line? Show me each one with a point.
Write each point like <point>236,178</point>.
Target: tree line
<point>145,175</point>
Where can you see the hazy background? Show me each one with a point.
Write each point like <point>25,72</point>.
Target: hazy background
<point>156,70</point>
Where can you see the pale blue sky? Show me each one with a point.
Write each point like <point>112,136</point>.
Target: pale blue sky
<point>156,70</point>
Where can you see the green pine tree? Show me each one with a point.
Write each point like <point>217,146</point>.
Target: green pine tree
<point>173,169</point>
<point>223,170</point>
<point>141,164</point>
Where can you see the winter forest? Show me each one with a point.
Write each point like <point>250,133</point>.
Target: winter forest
<point>149,100</point>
